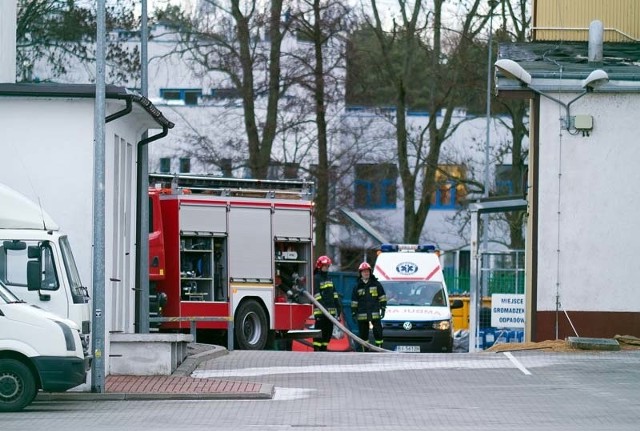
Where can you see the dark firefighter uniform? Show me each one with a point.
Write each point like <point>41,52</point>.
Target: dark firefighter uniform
<point>326,295</point>
<point>368,303</point>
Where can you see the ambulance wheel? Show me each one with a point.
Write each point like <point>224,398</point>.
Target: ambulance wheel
<point>17,385</point>
<point>251,328</point>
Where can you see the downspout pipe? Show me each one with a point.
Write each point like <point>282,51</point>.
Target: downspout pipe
<point>142,235</point>
<point>145,141</point>
<point>122,113</point>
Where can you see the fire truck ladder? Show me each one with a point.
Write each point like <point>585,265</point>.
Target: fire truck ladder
<point>222,186</point>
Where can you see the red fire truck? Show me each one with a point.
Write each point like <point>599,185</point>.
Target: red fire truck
<point>231,248</point>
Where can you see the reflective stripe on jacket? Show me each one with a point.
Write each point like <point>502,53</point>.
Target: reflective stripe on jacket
<point>367,299</point>
<point>326,294</point>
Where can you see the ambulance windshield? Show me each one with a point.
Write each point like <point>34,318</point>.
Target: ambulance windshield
<point>420,293</point>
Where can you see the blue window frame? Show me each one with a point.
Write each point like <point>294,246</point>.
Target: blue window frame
<point>450,191</point>
<point>445,198</point>
<point>375,186</point>
<point>189,96</point>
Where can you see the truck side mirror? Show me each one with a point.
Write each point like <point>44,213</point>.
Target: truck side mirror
<point>34,252</point>
<point>34,276</point>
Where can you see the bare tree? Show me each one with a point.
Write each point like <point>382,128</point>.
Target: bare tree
<point>322,23</point>
<point>448,51</point>
<point>516,25</point>
<point>59,35</point>
<point>506,228</point>
<point>238,43</point>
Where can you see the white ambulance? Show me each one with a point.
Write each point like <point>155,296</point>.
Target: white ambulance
<point>418,316</point>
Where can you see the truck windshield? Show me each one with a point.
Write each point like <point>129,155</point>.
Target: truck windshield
<point>78,291</point>
<point>419,293</point>
<point>6,296</point>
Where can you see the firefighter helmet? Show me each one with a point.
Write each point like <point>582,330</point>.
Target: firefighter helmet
<point>363,266</point>
<point>323,260</point>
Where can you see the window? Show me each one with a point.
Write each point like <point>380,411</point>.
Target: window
<point>291,170</point>
<point>17,256</point>
<point>185,165</point>
<point>165,165</point>
<point>170,94</point>
<point>375,186</point>
<point>504,181</point>
<point>225,93</point>
<point>450,191</point>
<point>188,96</point>
<point>286,170</point>
<point>78,292</point>
<point>191,97</point>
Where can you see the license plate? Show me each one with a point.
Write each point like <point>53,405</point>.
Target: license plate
<point>408,349</point>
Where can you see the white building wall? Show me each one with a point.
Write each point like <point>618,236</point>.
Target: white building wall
<point>53,164</point>
<point>48,153</point>
<point>588,224</point>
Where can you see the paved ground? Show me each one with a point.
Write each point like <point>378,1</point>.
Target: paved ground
<point>187,382</point>
<point>504,391</point>
<point>180,385</point>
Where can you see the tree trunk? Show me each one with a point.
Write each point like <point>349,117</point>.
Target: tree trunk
<point>322,196</point>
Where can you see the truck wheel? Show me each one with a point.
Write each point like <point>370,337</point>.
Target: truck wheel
<point>17,386</point>
<point>251,328</point>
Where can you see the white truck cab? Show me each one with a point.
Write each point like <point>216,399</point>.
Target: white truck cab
<point>418,315</point>
<point>36,262</point>
<point>38,350</point>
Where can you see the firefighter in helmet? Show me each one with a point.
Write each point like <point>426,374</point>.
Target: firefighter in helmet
<point>368,304</point>
<point>325,293</point>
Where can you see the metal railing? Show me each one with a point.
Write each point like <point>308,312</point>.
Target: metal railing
<point>502,272</point>
<point>193,324</point>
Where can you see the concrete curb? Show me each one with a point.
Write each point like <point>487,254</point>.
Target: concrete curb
<point>266,393</point>
<point>586,343</point>
<point>191,362</point>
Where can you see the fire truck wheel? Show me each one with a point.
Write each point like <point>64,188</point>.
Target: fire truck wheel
<point>251,328</point>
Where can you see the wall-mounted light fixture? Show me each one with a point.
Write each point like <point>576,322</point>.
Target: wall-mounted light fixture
<point>595,79</point>
<point>513,70</point>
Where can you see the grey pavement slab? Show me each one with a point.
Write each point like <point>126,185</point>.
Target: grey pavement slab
<point>179,386</point>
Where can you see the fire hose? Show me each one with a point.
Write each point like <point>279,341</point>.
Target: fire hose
<point>336,322</point>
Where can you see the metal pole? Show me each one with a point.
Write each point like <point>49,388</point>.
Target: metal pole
<point>487,147</point>
<point>474,290</point>
<point>489,69</point>
<point>144,37</point>
<point>98,326</point>
<point>230,333</point>
<point>142,235</point>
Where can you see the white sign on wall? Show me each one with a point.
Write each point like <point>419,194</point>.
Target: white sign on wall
<point>507,310</point>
